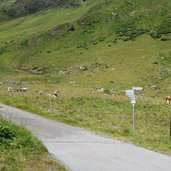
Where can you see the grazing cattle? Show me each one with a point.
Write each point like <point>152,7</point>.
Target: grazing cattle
<point>24,89</point>
<point>168,99</point>
<point>10,89</point>
<point>56,93</point>
<point>13,89</point>
<point>93,92</point>
<point>53,95</point>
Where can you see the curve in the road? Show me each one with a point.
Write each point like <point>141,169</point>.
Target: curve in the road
<point>82,150</point>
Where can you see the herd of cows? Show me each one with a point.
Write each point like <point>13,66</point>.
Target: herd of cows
<point>25,89</point>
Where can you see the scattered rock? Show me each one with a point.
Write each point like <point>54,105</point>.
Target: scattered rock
<point>101,90</point>
<point>25,68</point>
<point>72,82</point>
<point>37,71</point>
<point>64,72</point>
<point>165,71</point>
<point>83,68</point>
<point>56,30</point>
<point>12,82</point>
<point>153,86</point>
<point>104,91</point>
<point>34,70</point>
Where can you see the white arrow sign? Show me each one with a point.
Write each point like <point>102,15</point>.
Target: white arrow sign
<point>137,88</point>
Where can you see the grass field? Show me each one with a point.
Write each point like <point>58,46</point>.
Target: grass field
<point>108,114</point>
<point>19,150</point>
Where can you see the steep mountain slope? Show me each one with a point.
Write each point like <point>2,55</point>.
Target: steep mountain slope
<point>99,43</point>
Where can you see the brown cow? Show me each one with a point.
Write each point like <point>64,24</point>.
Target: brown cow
<point>168,99</point>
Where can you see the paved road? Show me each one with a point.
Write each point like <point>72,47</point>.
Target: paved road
<point>82,150</point>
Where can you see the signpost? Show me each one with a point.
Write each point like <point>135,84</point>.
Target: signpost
<point>131,95</point>
<point>137,88</point>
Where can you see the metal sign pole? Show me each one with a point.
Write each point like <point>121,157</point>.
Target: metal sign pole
<point>133,128</point>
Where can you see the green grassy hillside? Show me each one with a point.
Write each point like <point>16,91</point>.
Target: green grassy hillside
<point>110,44</point>
<point>19,150</point>
<point>130,38</point>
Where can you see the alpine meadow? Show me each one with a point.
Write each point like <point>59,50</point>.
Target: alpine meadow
<point>88,52</point>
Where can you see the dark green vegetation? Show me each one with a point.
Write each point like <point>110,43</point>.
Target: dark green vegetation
<point>110,44</point>
<point>19,150</point>
<point>17,8</point>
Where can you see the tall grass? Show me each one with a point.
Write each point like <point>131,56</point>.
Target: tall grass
<point>19,150</point>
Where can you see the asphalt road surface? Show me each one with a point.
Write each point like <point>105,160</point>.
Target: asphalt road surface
<point>81,150</point>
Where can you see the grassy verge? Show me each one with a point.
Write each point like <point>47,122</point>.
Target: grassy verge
<point>19,150</point>
<point>103,113</point>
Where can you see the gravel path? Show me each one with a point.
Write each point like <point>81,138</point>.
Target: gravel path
<point>82,150</point>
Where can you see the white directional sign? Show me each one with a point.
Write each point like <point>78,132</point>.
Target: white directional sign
<point>137,88</point>
<point>130,93</point>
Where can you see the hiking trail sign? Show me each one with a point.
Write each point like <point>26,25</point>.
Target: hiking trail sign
<point>131,95</point>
